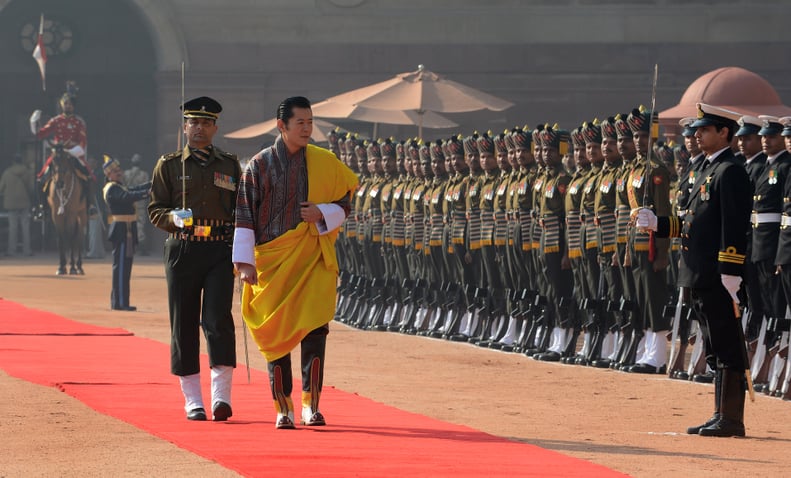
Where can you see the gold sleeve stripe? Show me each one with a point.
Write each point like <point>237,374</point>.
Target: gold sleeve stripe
<point>675,226</point>
<point>732,258</point>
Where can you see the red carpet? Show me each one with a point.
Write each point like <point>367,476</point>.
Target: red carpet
<point>128,378</point>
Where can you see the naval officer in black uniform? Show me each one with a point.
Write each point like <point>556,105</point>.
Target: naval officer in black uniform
<point>714,242</point>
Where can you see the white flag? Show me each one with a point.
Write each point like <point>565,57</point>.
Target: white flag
<point>40,54</point>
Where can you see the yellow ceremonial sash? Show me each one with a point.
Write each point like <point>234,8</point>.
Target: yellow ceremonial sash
<point>297,271</point>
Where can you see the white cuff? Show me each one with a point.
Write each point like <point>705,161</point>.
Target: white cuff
<point>243,246</point>
<point>333,217</point>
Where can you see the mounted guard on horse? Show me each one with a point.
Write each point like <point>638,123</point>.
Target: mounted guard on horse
<point>66,177</point>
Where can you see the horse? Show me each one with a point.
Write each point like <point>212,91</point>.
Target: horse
<point>68,203</point>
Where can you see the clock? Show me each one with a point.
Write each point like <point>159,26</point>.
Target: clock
<point>58,37</point>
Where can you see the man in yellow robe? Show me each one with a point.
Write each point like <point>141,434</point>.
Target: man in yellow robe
<point>293,196</point>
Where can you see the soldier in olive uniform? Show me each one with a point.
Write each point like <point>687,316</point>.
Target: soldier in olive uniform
<point>522,208</point>
<point>460,258</point>
<point>649,186</point>
<point>628,308</point>
<point>598,317</point>
<point>604,207</point>
<point>492,279</point>
<point>538,333</point>
<point>390,289</point>
<point>193,198</point>
<point>476,292</point>
<point>436,251</point>
<point>574,227</point>
<point>555,144</point>
<point>503,235</point>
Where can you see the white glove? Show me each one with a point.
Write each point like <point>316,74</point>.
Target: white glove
<point>645,219</point>
<point>731,284</point>
<point>181,217</point>
<point>34,118</point>
<point>76,151</point>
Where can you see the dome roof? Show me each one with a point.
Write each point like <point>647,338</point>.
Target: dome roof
<point>730,87</point>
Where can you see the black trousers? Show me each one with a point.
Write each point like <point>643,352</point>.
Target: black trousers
<point>724,343</point>
<point>314,345</point>
<point>123,255</point>
<point>200,295</point>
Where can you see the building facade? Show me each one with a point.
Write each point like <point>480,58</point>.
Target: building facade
<point>561,61</point>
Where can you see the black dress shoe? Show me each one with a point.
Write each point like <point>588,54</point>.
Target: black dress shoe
<point>197,414</point>
<point>548,356</point>
<point>601,363</point>
<point>703,377</point>
<point>711,421</point>
<point>221,412</point>
<point>128,308</point>
<point>723,427</point>
<point>643,368</point>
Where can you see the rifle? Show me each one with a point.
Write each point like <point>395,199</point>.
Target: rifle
<point>747,374</point>
<point>598,319</point>
<point>651,248</point>
<point>678,354</point>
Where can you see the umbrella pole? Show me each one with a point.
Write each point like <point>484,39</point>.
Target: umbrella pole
<point>420,124</point>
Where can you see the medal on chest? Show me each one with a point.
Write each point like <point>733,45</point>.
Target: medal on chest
<point>456,193</point>
<point>224,181</point>
<point>637,181</point>
<point>605,187</point>
<point>501,189</point>
<point>549,192</point>
<point>589,187</point>
<point>772,176</point>
<point>705,189</point>
<point>488,193</point>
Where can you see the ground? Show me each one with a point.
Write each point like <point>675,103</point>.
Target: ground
<point>631,423</point>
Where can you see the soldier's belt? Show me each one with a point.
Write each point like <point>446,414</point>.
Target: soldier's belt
<point>206,230</point>
<point>764,218</point>
<point>785,221</point>
<point>121,218</point>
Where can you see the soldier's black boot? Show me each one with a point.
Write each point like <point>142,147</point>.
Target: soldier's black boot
<point>717,405</point>
<point>731,421</point>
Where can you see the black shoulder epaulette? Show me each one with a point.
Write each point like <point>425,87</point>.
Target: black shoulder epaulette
<point>225,154</point>
<point>169,156</point>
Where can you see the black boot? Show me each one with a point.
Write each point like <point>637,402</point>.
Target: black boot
<point>717,405</point>
<point>731,422</point>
